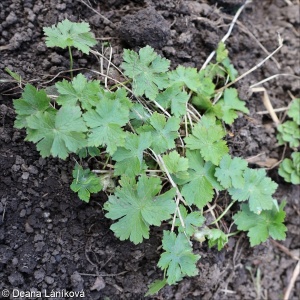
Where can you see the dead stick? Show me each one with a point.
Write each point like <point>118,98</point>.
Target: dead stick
<point>292,282</point>
<point>254,68</point>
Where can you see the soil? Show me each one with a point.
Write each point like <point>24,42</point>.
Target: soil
<point>49,239</point>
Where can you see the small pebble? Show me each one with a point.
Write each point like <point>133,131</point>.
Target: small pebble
<point>25,175</point>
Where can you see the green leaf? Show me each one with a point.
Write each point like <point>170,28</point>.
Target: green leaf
<point>32,102</point>
<point>130,157</point>
<point>91,151</point>
<point>222,52</point>
<point>207,137</point>
<point>289,132</point>
<point>67,33</point>
<point>294,111</point>
<point>258,189</point>
<point>232,72</point>
<point>138,115</point>
<point>230,104</point>
<point>289,169</point>
<point>78,90</point>
<point>260,227</point>
<point>191,221</point>
<point>207,87</point>
<point>204,104</point>
<point>57,134</point>
<point>214,70</point>
<point>185,77</point>
<point>201,183</point>
<point>217,237</point>
<point>230,172</point>
<point>155,287</point>
<point>137,206</point>
<point>84,183</point>
<point>148,71</point>
<point>163,132</point>
<point>176,99</point>
<point>176,165</point>
<point>14,75</point>
<point>106,123</point>
<point>178,258</point>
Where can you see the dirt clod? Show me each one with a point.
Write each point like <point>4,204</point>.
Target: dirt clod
<point>146,27</point>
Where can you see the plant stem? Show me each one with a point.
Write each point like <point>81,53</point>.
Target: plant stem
<point>120,84</point>
<point>71,62</point>
<point>224,212</point>
<point>233,233</point>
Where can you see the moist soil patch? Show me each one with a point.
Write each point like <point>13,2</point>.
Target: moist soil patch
<point>49,239</point>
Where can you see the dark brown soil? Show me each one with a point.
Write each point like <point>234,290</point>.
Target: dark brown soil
<point>49,239</point>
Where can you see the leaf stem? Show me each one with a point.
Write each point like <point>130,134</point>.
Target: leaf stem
<point>233,233</point>
<point>120,84</point>
<point>223,214</point>
<point>71,61</point>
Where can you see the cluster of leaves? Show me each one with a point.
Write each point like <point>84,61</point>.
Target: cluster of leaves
<point>166,145</point>
<point>289,133</point>
<point>289,169</point>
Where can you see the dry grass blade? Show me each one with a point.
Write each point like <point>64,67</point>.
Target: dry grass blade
<point>95,11</point>
<point>280,41</point>
<point>226,36</point>
<point>267,103</point>
<point>292,282</point>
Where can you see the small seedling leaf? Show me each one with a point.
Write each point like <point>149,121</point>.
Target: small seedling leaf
<point>178,259</point>
<point>230,104</point>
<point>66,34</point>
<point>84,183</point>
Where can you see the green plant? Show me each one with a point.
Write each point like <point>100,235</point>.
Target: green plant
<point>166,145</point>
<point>289,133</point>
<point>289,169</point>
<point>67,34</point>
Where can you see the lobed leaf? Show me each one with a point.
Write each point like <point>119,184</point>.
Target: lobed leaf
<point>66,34</point>
<point>207,138</point>
<point>294,110</point>
<point>32,102</point>
<point>230,104</point>
<point>130,157</point>
<point>289,132</point>
<point>57,134</point>
<point>106,122</point>
<point>163,132</point>
<point>136,206</point>
<point>230,172</point>
<point>176,165</point>
<point>79,90</point>
<point>260,227</point>
<point>289,169</point>
<point>185,77</point>
<point>173,97</point>
<point>191,220</point>
<point>178,259</point>
<point>148,71</point>
<point>258,188</point>
<point>85,182</point>
<point>199,189</point>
